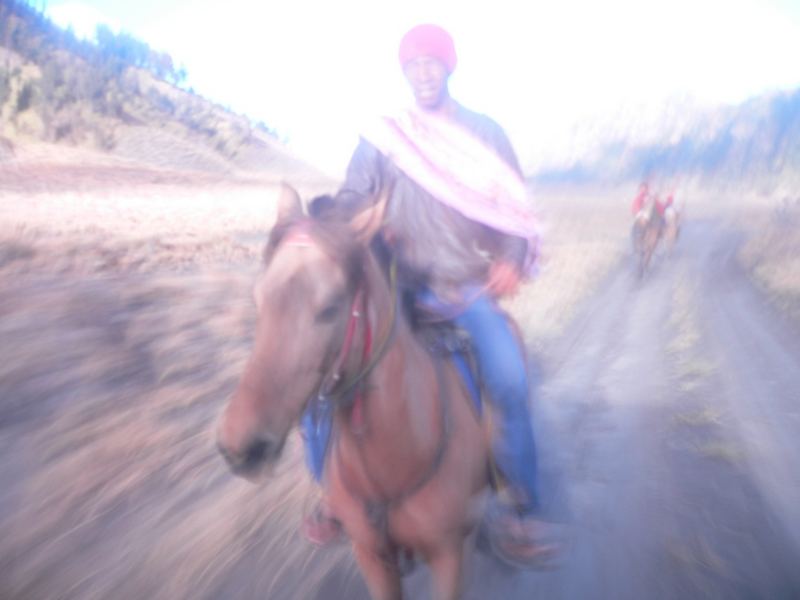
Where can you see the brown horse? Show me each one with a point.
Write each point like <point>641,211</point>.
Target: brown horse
<point>645,235</point>
<point>408,458</point>
<point>672,228</point>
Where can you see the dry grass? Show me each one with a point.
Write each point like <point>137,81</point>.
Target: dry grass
<point>683,320</point>
<point>722,451</point>
<point>690,365</point>
<point>772,253</point>
<point>142,119</point>
<point>114,393</point>
<point>699,418</point>
<point>585,236</point>
<point>126,318</point>
<point>694,373</point>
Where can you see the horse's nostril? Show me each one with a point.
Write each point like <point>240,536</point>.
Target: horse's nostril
<point>253,457</point>
<point>256,453</point>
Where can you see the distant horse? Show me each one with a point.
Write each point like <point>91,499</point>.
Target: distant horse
<point>408,458</point>
<point>645,235</point>
<point>672,227</point>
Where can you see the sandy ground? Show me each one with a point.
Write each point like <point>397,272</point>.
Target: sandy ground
<point>665,409</point>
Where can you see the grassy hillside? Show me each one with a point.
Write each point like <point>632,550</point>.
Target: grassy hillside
<point>757,141</point>
<point>121,97</point>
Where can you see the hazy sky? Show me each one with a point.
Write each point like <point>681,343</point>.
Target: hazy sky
<point>315,69</point>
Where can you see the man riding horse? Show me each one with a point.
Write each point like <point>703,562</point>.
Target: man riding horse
<point>458,224</point>
<point>643,204</point>
<point>649,209</point>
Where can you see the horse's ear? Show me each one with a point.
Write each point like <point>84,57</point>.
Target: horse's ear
<point>289,204</point>
<point>369,221</point>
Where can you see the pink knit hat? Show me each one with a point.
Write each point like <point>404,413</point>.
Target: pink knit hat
<point>428,40</point>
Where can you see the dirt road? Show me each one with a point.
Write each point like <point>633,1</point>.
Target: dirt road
<point>669,422</point>
<point>667,417</point>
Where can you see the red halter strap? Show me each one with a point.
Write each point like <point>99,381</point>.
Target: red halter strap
<point>332,387</point>
<point>335,374</point>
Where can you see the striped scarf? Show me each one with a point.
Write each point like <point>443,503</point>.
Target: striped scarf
<point>459,170</point>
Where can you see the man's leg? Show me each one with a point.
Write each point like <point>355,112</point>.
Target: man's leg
<point>319,526</point>
<point>520,539</point>
<point>316,426</point>
<point>504,373</point>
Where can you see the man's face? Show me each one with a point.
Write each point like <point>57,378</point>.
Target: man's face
<point>428,79</point>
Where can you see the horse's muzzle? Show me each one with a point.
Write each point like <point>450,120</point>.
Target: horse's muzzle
<point>250,462</point>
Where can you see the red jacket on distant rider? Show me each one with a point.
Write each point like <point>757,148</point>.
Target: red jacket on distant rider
<point>641,199</point>
<point>662,207</point>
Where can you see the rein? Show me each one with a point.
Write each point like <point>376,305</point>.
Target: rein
<point>328,390</point>
<point>349,394</point>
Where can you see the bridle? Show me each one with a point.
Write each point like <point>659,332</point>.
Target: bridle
<point>333,389</point>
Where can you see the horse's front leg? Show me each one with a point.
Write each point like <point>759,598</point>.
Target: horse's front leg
<point>446,565</point>
<point>382,575</point>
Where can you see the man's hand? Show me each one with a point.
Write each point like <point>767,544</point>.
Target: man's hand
<point>504,278</point>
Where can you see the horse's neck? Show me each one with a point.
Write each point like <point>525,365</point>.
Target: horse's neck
<point>401,422</point>
<point>405,380</point>
<point>404,390</point>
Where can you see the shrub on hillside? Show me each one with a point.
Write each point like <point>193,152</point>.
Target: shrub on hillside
<point>5,88</point>
<point>25,97</point>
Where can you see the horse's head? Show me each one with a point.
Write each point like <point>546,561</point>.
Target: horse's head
<point>303,297</point>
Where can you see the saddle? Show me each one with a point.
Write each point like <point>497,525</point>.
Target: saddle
<point>445,340</point>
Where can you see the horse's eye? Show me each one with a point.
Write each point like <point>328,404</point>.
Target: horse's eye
<point>329,313</point>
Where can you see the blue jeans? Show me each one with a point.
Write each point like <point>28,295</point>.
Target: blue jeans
<point>502,365</point>
<point>315,425</point>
